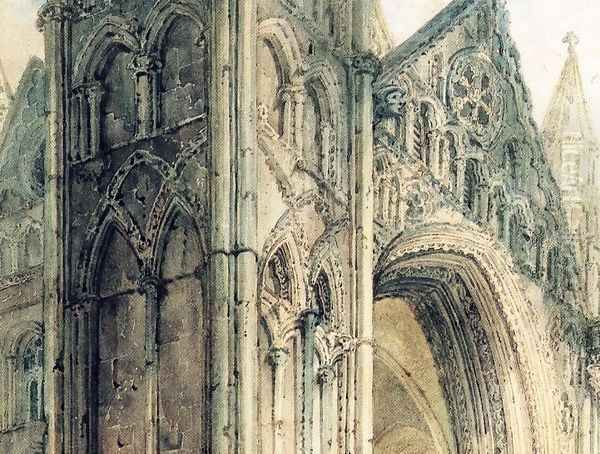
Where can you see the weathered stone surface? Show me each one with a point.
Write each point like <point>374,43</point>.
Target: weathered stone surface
<point>282,235</point>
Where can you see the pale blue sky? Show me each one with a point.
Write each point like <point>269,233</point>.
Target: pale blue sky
<point>538,27</point>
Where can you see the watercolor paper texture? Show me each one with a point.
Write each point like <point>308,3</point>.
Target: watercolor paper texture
<point>299,227</point>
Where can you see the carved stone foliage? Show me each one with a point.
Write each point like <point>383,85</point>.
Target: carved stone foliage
<point>475,96</point>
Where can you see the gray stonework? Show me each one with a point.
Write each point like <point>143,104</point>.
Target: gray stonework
<point>266,230</point>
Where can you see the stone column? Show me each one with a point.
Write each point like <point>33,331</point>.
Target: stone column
<point>308,377</point>
<point>245,203</point>
<point>326,164</point>
<point>149,286</point>
<point>279,358</point>
<point>95,92</point>
<point>329,382</point>
<point>11,390</point>
<point>409,131</point>
<point>79,126</point>
<point>146,69</point>
<point>366,67</point>
<point>82,334</point>
<point>482,211</point>
<point>220,235</point>
<point>298,96</point>
<point>55,21</point>
<point>288,126</point>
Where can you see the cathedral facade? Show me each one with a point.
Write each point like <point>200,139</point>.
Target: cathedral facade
<point>239,227</point>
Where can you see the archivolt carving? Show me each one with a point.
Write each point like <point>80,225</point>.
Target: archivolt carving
<point>444,300</point>
<point>504,309</point>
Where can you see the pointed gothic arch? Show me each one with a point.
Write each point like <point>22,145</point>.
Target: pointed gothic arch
<point>112,32</point>
<point>176,207</point>
<point>280,34</point>
<point>420,265</point>
<point>162,16</point>
<point>322,105</point>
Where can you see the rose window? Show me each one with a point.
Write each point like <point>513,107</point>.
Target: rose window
<point>475,97</point>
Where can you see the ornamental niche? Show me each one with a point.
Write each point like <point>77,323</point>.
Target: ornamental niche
<point>475,96</point>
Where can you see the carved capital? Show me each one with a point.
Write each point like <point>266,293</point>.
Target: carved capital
<point>278,356</point>
<point>93,90</point>
<point>367,63</point>
<point>148,285</point>
<point>144,64</point>
<point>82,305</point>
<point>53,11</point>
<point>326,374</point>
<point>391,101</point>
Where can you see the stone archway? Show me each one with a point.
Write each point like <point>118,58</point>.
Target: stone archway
<point>482,334</point>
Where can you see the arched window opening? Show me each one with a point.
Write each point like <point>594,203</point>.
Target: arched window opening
<point>278,279</point>
<point>424,126</point>
<point>552,268</point>
<point>510,160</point>
<point>513,233</point>
<point>452,160</point>
<point>118,117</point>
<point>269,89</point>
<point>501,223</point>
<point>320,138</point>
<point>539,250</point>
<point>32,380</point>
<point>33,249</point>
<point>184,86</point>
<point>470,187</point>
<point>330,22</point>
<point>323,296</point>
<point>313,127</point>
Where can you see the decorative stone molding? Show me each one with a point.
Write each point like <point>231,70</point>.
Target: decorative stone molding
<point>475,95</point>
<point>391,100</point>
<point>367,63</point>
<point>53,11</point>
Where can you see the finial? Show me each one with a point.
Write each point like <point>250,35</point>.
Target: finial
<point>572,40</point>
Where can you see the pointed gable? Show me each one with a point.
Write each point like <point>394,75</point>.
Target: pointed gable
<point>568,116</point>
<point>22,142</point>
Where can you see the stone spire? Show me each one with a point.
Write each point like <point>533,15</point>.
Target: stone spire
<point>568,134</point>
<point>568,114</point>
<point>6,95</point>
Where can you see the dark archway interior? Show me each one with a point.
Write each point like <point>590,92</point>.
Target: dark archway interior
<point>440,306</point>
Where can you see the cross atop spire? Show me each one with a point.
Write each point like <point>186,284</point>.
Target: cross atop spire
<point>571,40</point>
